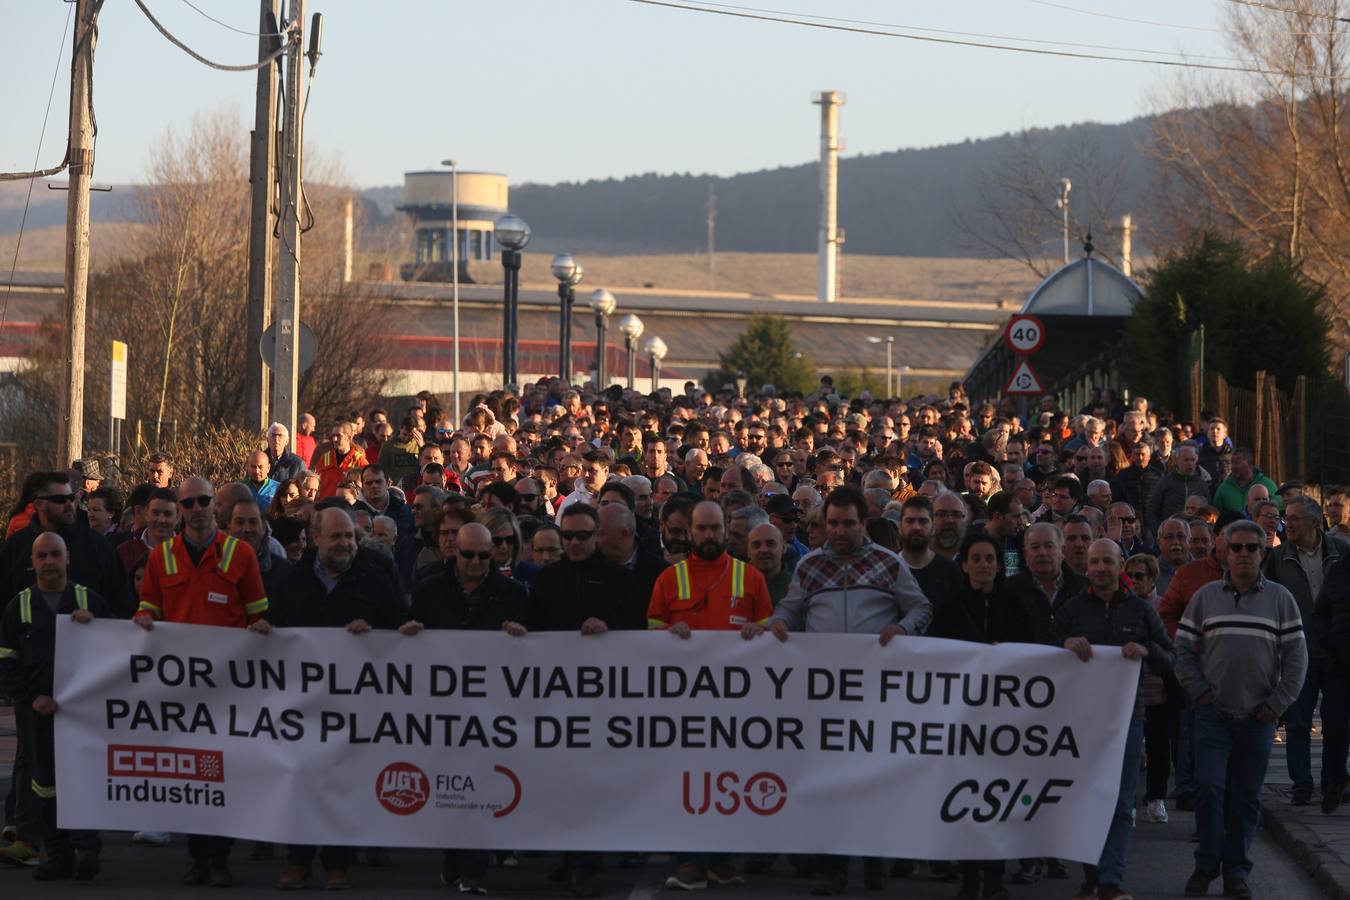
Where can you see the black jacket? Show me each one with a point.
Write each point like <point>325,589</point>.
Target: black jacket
<point>27,672</point>
<point>93,563</point>
<point>1122,620</point>
<point>1330,628</point>
<point>1136,486</point>
<point>364,591</point>
<point>646,569</point>
<point>1283,567</point>
<point>970,615</point>
<point>1039,612</point>
<point>566,594</point>
<point>284,467</point>
<point>440,602</point>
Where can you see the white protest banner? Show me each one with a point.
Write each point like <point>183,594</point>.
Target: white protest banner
<point>925,749</point>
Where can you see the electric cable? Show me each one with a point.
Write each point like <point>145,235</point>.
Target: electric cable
<point>33,176</point>
<point>204,14</point>
<point>250,67</point>
<point>1208,28</point>
<point>982,45</point>
<point>1271,7</point>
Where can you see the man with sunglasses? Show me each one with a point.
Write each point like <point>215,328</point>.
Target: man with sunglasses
<point>203,577</point>
<point>583,592</point>
<point>93,562</point>
<point>1242,658</point>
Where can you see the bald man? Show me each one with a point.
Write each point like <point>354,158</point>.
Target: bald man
<point>765,547</point>
<point>27,654</point>
<point>264,488</point>
<point>203,577</point>
<point>1105,614</point>
<point>338,589</point>
<point>470,594</point>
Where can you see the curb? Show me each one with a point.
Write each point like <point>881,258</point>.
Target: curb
<point>1306,847</point>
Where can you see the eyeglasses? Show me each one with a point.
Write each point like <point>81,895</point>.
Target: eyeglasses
<point>527,496</point>
<point>1246,548</point>
<point>57,498</point>
<point>499,539</point>
<point>203,501</point>
<point>1137,576</point>
<point>470,554</point>
<point>575,535</point>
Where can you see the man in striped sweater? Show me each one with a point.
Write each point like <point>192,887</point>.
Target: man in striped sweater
<point>1242,657</point>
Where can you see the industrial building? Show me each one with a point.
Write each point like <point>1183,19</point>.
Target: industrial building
<point>428,200</point>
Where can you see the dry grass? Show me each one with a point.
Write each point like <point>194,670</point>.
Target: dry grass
<point>44,249</point>
<point>945,279</point>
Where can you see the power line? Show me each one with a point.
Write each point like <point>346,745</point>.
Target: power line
<point>969,34</point>
<point>1206,28</point>
<point>23,219</point>
<point>983,45</point>
<point>1284,9</point>
<point>250,67</point>
<point>204,14</point>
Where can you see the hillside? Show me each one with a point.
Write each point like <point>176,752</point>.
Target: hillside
<point>901,203</point>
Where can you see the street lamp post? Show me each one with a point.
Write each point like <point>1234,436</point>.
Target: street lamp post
<point>602,303</point>
<point>631,328</point>
<point>568,272</point>
<point>656,351</point>
<point>1063,203</point>
<point>513,234</point>
<point>900,381</point>
<point>889,341</point>
<point>741,380</point>
<point>454,278</point>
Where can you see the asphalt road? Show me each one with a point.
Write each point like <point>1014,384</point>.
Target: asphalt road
<point>1160,860</point>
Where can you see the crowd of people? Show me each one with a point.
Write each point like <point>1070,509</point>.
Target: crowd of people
<point>558,509</point>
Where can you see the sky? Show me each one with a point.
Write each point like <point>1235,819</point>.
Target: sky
<point>571,90</point>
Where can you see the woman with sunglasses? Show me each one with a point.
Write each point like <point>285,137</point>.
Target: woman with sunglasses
<point>506,545</point>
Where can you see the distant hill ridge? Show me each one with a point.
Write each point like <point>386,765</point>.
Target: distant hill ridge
<point>899,203</point>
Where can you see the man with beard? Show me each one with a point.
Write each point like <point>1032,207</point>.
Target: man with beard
<point>950,517</point>
<point>938,577</point>
<point>708,591</point>
<point>849,586</point>
<point>675,514</point>
<point>1174,550</point>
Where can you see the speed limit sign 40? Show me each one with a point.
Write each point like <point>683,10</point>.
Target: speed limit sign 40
<point>1024,334</point>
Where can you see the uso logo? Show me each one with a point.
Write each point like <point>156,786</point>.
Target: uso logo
<point>401,788</point>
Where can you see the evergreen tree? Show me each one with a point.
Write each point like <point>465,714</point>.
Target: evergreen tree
<point>764,352</point>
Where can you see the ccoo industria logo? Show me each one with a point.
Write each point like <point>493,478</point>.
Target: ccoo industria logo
<point>402,788</point>
<point>165,775</point>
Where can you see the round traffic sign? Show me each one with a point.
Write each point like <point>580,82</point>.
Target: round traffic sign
<point>1024,334</point>
<point>267,346</point>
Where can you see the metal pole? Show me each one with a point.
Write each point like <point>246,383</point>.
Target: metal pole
<point>507,338</point>
<point>566,296</point>
<point>511,260</point>
<point>71,436</point>
<point>262,177</point>
<point>632,360</point>
<point>656,373</point>
<point>600,323</point>
<point>890,343</point>
<point>286,367</point>
<point>454,279</point>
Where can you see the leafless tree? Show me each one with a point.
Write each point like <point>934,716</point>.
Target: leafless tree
<point>1266,156</point>
<point>1015,214</point>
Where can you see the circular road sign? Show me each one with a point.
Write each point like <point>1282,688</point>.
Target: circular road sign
<point>1024,334</point>
<point>267,346</point>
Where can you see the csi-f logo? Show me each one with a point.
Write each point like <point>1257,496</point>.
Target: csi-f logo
<point>763,793</point>
<point>401,788</point>
<point>1000,798</point>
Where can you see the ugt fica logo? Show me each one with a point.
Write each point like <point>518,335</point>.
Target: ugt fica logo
<point>402,788</point>
<point>763,793</point>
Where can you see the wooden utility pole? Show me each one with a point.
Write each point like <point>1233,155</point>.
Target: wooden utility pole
<point>262,178</point>
<point>71,441</point>
<point>286,367</point>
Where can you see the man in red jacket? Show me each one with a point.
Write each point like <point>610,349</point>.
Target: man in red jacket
<point>203,577</point>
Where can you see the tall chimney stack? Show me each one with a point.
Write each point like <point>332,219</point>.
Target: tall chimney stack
<point>829,102</point>
<point>1126,239</point>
